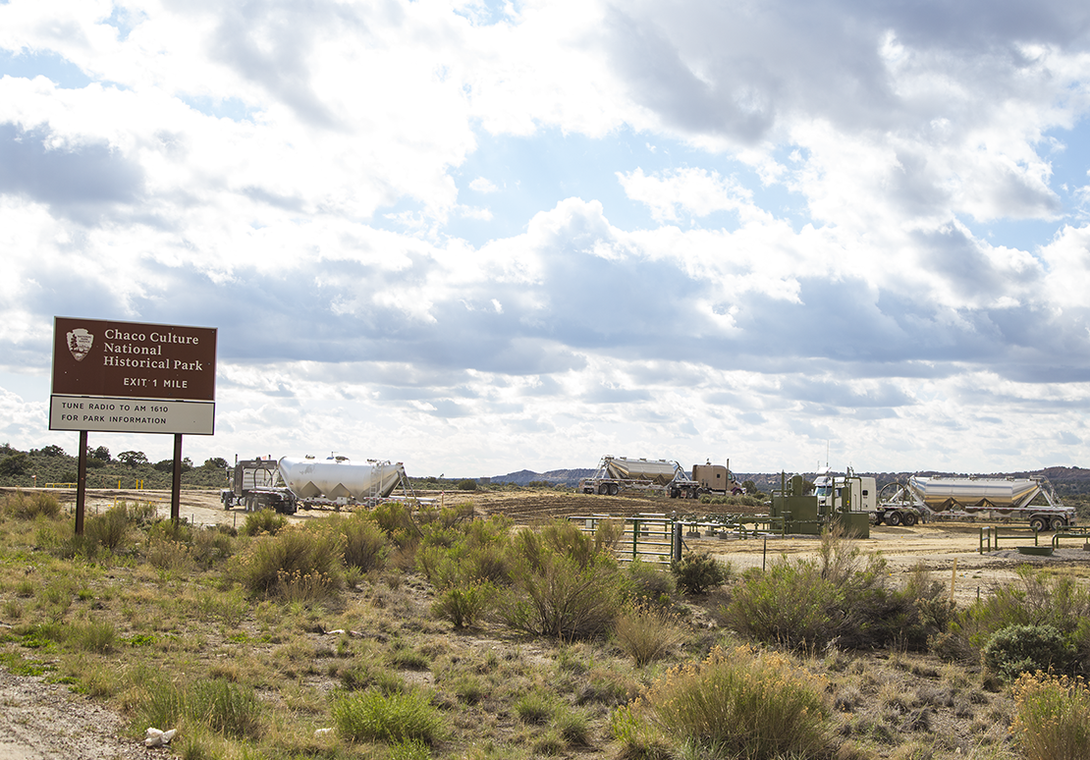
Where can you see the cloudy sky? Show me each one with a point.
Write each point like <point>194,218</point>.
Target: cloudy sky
<point>483,236</point>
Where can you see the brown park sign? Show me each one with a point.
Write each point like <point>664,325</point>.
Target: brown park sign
<point>132,377</point>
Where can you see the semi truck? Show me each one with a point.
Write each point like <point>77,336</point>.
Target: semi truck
<point>927,497</point>
<point>291,483</point>
<point>617,474</point>
<point>847,493</point>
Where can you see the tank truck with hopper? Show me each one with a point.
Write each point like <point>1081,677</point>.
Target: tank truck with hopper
<point>291,483</point>
<point>928,497</point>
<point>617,474</point>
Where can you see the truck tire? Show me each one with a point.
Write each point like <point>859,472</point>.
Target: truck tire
<point>1058,523</point>
<point>908,519</point>
<point>603,489</point>
<point>614,489</point>
<point>1038,523</point>
<point>893,518</point>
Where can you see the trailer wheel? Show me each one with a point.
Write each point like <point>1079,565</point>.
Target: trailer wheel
<point>1038,523</point>
<point>893,518</point>
<point>614,489</point>
<point>603,489</point>
<point>1058,523</point>
<point>908,519</point>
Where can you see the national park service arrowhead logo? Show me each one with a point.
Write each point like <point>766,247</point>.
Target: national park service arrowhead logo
<point>79,343</point>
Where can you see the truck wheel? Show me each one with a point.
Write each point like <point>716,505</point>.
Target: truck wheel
<point>893,518</point>
<point>1058,523</point>
<point>1038,524</point>
<point>908,519</point>
<point>603,489</point>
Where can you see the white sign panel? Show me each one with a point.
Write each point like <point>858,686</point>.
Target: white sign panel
<point>131,415</point>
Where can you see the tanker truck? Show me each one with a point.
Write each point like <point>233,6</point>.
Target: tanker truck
<point>289,483</point>
<point>966,497</point>
<point>617,474</point>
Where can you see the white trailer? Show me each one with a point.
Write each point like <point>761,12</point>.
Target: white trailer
<point>337,481</point>
<point>1031,498</point>
<point>617,474</point>
<point>290,483</point>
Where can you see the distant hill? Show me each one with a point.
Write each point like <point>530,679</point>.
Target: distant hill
<point>569,478</point>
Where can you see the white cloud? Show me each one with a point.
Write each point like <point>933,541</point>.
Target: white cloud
<point>654,300</point>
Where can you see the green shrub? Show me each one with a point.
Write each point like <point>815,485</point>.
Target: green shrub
<point>264,521</point>
<point>465,603</point>
<point>650,583</point>
<point>1053,717</point>
<point>466,485</point>
<point>561,586</point>
<point>109,529</point>
<point>1017,649</point>
<point>696,572</point>
<point>364,543</point>
<point>740,704</point>
<point>392,718</point>
<point>799,605</point>
<point>227,708</point>
<point>30,506</point>
<point>1037,599</point>
<point>296,564</point>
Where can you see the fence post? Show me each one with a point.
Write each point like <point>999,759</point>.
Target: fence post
<point>676,553</point>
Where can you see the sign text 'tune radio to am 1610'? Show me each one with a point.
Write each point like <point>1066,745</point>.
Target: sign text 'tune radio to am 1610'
<point>133,377</point>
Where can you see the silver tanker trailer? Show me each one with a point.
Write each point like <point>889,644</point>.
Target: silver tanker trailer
<point>616,474</point>
<point>1030,498</point>
<point>289,483</point>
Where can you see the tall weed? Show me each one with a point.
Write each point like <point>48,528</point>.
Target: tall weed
<point>741,704</point>
<point>296,563</point>
<point>1053,717</point>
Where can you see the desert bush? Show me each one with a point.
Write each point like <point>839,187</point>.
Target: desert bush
<point>264,521</point>
<point>696,572</point>
<point>463,604</point>
<point>364,543</point>
<point>647,633</point>
<point>294,561</point>
<point>798,604</point>
<point>391,718</point>
<point>1037,599</point>
<point>1016,649</point>
<point>561,586</point>
<point>739,704</point>
<point>396,521</point>
<point>1053,717</point>
<point>109,529</point>
<point>24,506</point>
<point>649,583</point>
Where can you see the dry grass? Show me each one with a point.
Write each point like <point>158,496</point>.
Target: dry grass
<point>175,604</point>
